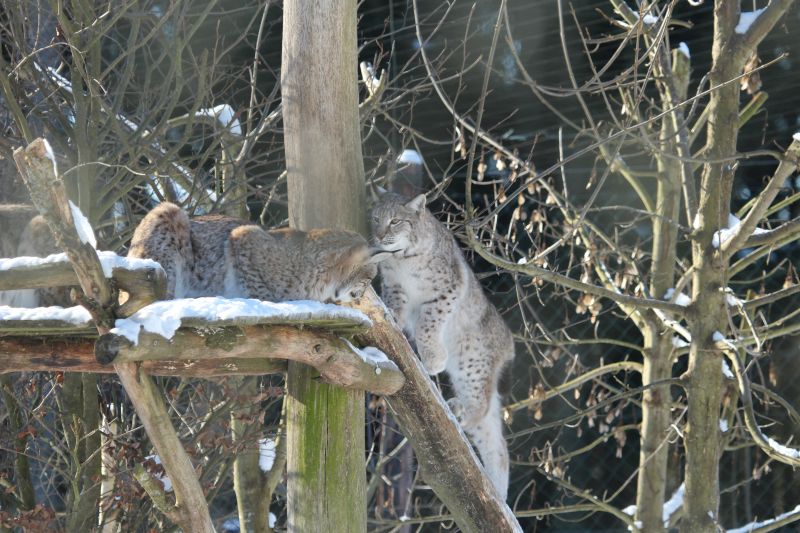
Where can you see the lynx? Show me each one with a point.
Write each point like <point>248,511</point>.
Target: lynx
<point>35,240</point>
<point>216,255</point>
<point>436,299</point>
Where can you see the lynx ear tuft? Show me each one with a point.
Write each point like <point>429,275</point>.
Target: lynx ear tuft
<point>417,204</point>
<point>376,191</point>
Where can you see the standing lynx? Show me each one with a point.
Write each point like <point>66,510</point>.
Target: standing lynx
<point>217,255</point>
<point>436,299</point>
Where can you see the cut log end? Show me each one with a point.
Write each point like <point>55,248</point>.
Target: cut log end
<point>108,346</point>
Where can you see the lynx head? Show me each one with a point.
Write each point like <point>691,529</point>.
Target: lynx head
<point>396,221</point>
<point>351,264</point>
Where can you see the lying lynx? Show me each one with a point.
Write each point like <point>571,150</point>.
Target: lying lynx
<point>436,299</point>
<point>217,255</point>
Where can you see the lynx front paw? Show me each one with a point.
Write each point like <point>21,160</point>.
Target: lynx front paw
<point>457,408</point>
<point>434,363</point>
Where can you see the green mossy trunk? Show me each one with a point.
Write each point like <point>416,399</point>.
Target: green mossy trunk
<point>325,424</point>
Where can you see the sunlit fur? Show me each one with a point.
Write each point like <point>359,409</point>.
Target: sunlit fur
<point>217,255</point>
<point>442,308</point>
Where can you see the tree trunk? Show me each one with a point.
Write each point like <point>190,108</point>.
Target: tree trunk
<point>247,477</point>
<point>327,480</point>
<point>704,391</point>
<point>656,419</point>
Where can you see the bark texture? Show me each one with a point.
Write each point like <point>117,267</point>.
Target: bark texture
<point>326,470</point>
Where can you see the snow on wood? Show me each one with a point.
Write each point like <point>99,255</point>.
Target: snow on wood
<point>674,504</point>
<point>82,225</point>
<point>726,371</point>
<point>726,233</point>
<point>650,19</point>
<point>781,449</point>
<point>756,525</point>
<point>165,317</point>
<point>684,49</point>
<point>746,19</point>
<point>678,342</point>
<point>49,154</point>
<point>163,478</point>
<point>681,299</point>
<point>373,356</point>
<point>266,454</point>
<point>224,115</point>
<point>109,261</point>
<point>74,315</point>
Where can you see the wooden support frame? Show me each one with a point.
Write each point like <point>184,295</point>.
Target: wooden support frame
<point>449,464</point>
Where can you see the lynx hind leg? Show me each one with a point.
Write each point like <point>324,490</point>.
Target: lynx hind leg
<point>164,236</point>
<point>487,437</point>
<point>473,376</point>
<point>260,269</point>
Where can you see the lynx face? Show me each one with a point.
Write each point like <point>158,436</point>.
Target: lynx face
<point>354,285</point>
<point>395,221</point>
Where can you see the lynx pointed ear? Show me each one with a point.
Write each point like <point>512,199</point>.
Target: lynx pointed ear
<point>376,191</point>
<point>417,204</point>
<point>376,254</point>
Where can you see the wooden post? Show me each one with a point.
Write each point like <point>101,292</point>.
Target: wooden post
<point>326,460</point>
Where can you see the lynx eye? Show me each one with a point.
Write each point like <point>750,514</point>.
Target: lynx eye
<point>395,222</point>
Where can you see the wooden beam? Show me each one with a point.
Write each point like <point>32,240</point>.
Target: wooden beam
<point>26,354</point>
<point>447,461</point>
<point>205,352</point>
<point>335,361</point>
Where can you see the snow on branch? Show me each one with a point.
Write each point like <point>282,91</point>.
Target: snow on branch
<point>769,446</point>
<point>186,174</point>
<point>746,19</point>
<point>771,524</point>
<point>224,115</point>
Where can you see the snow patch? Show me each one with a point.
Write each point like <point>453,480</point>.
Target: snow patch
<point>726,233</point>
<point>410,157</point>
<point>164,318</point>
<point>783,450</point>
<point>684,49</point>
<point>266,454</point>
<point>756,525</point>
<point>678,342</point>
<point>674,504</point>
<point>82,225</point>
<point>796,136</point>
<point>49,154</point>
<point>74,315</point>
<point>162,478</point>
<point>681,299</point>
<point>723,425</point>
<point>726,371</point>
<point>372,356</point>
<point>225,116</point>
<point>746,19</point>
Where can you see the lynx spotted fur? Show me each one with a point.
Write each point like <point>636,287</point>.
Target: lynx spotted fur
<point>216,255</point>
<point>436,299</point>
